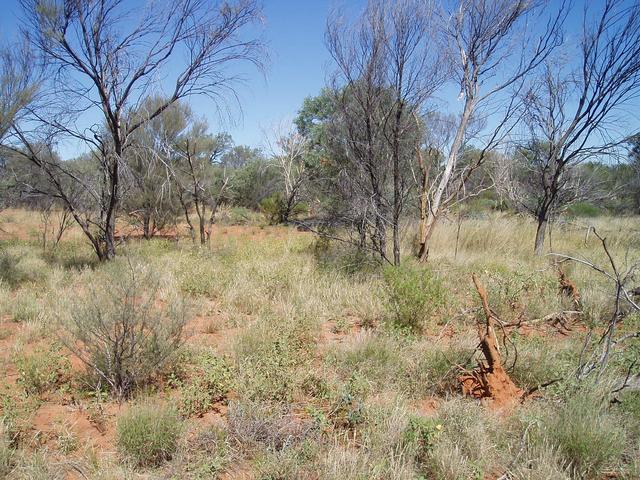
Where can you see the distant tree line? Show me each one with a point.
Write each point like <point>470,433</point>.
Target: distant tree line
<point>535,128</point>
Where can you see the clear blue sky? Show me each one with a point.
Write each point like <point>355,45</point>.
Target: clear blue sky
<point>298,64</point>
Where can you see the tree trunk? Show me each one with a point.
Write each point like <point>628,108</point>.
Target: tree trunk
<point>146,225</point>
<point>397,195</point>
<point>540,232</point>
<point>202,225</point>
<point>452,158</point>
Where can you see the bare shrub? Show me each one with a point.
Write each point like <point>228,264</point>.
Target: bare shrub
<point>124,325</point>
<point>270,425</point>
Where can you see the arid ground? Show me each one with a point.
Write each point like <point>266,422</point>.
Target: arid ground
<point>297,359</point>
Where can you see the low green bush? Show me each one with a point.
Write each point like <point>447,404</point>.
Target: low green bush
<point>212,380</point>
<point>147,435</point>
<point>276,210</point>
<point>42,370</point>
<point>413,295</point>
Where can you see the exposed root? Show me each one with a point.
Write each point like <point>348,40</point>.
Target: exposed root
<point>568,288</point>
<point>489,379</point>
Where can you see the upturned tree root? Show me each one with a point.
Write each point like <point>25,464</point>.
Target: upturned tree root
<point>489,379</point>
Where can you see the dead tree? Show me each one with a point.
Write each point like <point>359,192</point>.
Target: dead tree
<point>487,41</point>
<point>489,379</point>
<point>573,112</point>
<point>288,148</point>
<point>102,57</point>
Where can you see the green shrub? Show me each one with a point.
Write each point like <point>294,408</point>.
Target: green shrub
<point>275,208</point>
<point>147,435</point>
<point>421,434</point>
<point>20,264</point>
<point>413,295</point>
<point>583,209</point>
<point>125,324</point>
<point>212,381</point>
<point>42,370</point>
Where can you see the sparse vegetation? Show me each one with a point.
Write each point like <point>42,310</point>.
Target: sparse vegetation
<point>357,298</point>
<point>125,324</point>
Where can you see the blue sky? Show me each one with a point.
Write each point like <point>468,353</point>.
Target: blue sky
<point>297,68</point>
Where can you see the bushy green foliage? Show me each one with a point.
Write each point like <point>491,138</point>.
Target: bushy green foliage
<point>147,435</point>
<point>20,264</point>
<point>212,380</point>
<point>421,433</point>
<point>42,370</point>
<point>276,209</point>
<point>583,209</point>
<point>413,295</point>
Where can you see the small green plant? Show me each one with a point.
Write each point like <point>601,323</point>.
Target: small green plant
<point>66,440</point>
<point>42,370</point>
<point>421,433</point>
<point>147,435</point>
<point>413,295</point>
<point>212,382</point>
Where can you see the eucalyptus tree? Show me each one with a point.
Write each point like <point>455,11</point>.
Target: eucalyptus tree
<point>200,176</point>
<point>102,59</point>
<point>387,68</point>
<point>491,52</point>
<point>149,196</point>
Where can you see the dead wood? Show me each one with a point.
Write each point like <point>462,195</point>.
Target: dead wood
<point>489,379</point>
<point>568,288</point>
